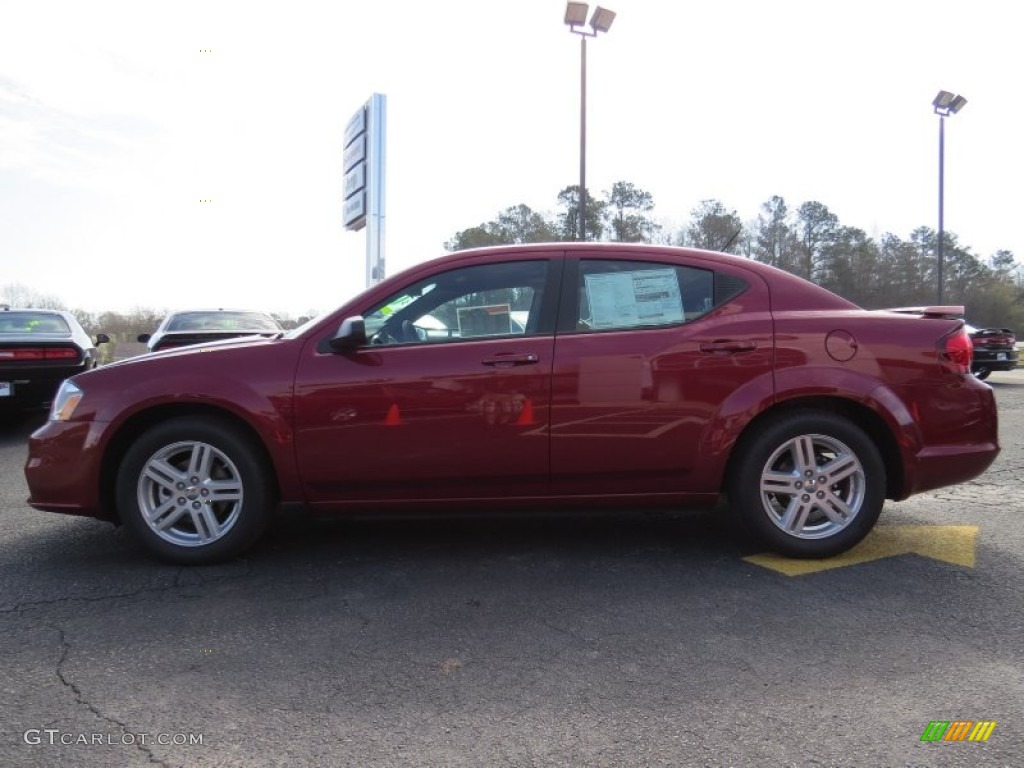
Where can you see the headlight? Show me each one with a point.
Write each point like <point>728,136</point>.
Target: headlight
<point>67,399</point>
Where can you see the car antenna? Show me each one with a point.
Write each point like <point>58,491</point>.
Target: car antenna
<point>735,234</point>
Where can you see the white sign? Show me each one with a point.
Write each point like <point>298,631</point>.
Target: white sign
<point>356,125</point>
<point>355,180</point>
<point>354,208</point>
<point>629,299</point>
<point>355,152</point>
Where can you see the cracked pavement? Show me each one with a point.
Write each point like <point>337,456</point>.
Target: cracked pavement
<point>585,641</point>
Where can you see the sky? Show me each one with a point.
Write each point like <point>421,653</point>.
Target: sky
<point>118,118</point>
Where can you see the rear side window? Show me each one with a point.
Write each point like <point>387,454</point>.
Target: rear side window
<point>622,295</point>
<point>32,322</point>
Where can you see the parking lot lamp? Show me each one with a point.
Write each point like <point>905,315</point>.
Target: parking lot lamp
<point>945,104</point>
<point>600,21</point>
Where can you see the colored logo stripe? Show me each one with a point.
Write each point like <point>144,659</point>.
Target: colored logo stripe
<point>935,731</point>
<point>982,730</point>
<point>958,730</point>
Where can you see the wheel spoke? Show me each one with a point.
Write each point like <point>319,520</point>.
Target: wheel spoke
<point>200,460</point>
<point>166,515</point>
<point>224,490</point>
<point>835,509</point>
<point>163,474</point>
<point>208,528</point>
<point>795,517</point>
<point>778,482</point>
<point>802,449</point>
<point>840,468</point>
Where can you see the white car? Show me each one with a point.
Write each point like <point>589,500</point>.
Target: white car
<point>197,326</point>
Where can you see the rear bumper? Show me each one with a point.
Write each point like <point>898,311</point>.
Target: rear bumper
<point>939,466</point>
<point>35,385</point>
<point>962,442</point>
<point>1003,360</point>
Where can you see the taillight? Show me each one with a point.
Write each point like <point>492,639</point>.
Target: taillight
<point>956,351</point>
<point>40,353</point>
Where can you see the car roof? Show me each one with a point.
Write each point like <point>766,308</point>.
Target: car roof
<point>46,310</point>
<point>42,311</point>
<point>786,286</point>
<point>217,310</point>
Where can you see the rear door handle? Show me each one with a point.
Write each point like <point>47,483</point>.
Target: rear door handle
<point>509,359</point>
<point>727,346</point>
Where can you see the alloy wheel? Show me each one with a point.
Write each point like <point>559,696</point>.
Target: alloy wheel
<point>190,493</point>
<point>812,486</point>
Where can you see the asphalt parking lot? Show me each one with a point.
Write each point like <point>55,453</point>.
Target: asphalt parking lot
<point>538,641</point>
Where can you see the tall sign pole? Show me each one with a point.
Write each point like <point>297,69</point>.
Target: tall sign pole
<point>364,164</point>
<point>583,138</point>
<point>942,178</point>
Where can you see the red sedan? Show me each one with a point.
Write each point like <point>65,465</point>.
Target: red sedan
<point>527,376</point>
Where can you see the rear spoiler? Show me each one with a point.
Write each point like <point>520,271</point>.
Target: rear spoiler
<point>950,311</point>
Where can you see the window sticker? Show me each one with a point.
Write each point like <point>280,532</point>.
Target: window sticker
<point>641,297</point>
<point>487,320</point>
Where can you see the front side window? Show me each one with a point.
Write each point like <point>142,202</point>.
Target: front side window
<point>491,300</point>
<point>620,295</point>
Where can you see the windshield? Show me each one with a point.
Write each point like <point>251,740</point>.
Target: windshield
<point>222,321</point>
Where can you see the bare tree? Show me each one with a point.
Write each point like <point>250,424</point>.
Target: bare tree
<point>18,295</point>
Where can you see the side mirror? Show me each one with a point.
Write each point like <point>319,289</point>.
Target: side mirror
<point>144,337</point>
<point>102,338</point>
<point>351,334</point>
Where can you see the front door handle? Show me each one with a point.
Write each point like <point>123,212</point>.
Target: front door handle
<point>727,346</point>
<point>509,359</point>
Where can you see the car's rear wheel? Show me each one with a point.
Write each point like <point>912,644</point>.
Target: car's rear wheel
<point>808,484</point>
<point>194,491</point>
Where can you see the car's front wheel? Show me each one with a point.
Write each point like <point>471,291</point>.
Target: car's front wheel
<point>808,484</point>
<point>982,373</point>
<point>194,491</point>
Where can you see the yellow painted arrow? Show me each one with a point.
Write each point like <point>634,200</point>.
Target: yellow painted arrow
<point>949,543</point>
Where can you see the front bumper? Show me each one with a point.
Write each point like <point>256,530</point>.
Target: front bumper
<point>63,468</point>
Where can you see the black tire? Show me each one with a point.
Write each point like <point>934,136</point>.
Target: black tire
<point>982,373</point>
<point>807,516</point>
<point>211,466</point>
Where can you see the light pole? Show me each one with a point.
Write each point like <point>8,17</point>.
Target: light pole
<point>601,21</point>
<point>945,104</point>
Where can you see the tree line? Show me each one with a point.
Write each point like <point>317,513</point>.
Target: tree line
<point>808,240</point>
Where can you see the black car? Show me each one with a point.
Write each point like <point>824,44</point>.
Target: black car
<point>198,326</point>
<point>39,348</point>
<point>995,349</point>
